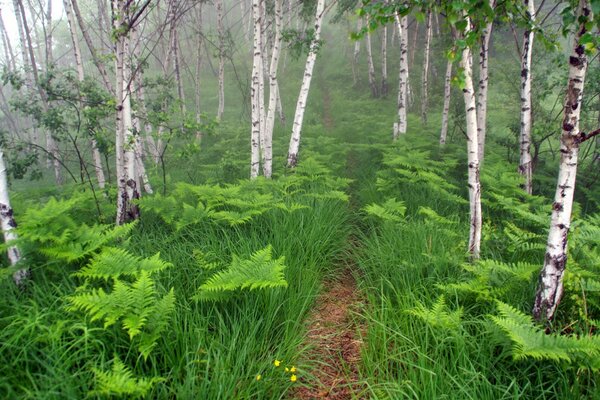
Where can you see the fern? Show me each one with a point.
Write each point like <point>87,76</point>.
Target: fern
<point>119,381</point>
<point>529,341</point>
<point>391,210</point>
<point>114,263</point>
<point>260,271</point>
<point>439,315</point>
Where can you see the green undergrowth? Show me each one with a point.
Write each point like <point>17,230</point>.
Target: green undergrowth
<point>196,300</point>
<point>439,326</point>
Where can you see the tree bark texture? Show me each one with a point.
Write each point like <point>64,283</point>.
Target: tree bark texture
<point>355,68</point>
<point>401,124</point>
<point>371,65</point>
<point>292,158</point>
<point>550,285</point>
<point>425,77</point>
<point>384,83</point>
<point>255,99</point>
<point>525,165</point>
<point>221,35</point>
<point>483,86</point>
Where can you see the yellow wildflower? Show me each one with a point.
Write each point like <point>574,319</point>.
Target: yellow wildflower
<point>293,378</point>
<point>287,369</point>
<point>293,369</point>
<point>258,377</point>
<point>277,363</point>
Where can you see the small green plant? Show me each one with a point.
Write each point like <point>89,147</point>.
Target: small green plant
<point>119,381</point>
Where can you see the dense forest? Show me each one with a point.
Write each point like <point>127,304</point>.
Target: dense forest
<point>279,199</point>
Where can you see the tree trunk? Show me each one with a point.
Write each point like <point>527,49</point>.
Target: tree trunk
<point>51,145</point>
<point>127,177</point>
<point>257,72</point>
<point>371,65</point>
<point>8,223</point>
<point>81,76</point>
<point>355,69</point>
<point>550,285</point>
<point>21,31</point>
<point>95,57</point>
<point>221,34</point>
<point>384,83</point>
<point>273,93</point>
<point>483,86</point>
<point>525,165</point>
<point>199,65</point>
<point>424,89</point>
<point>292,158</point>
<point>447,91</point>
<point>474,185</point>
<point>401,125</point>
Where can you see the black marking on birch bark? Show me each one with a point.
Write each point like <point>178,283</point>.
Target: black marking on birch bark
<point>556,206</point>
<point>576,62</point>
<point>292,160</point>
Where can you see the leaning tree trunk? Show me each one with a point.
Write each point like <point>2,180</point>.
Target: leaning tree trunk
<point>257,75</point>
<point>81,76</point>
<point>483,86</point>
<point>446,111</point>
<point>273,93</point>
<point>8,51</point>
<point>371,65</point>
<point>401,124</point>
<point>550,285</point>
<point>52,147</point>
<point>221,34</point>
<point>525,165</point>
<point>8,223</point>
<point>474,185</point>
<point>292,158</point>
<point>424,88</point>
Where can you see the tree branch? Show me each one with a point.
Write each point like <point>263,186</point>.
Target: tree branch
<point>582,137</point>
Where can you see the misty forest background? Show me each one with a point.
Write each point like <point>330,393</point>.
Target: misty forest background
<point>157,245</point>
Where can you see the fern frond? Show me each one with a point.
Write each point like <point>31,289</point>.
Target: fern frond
<point>260,271</point>
<point>119,381</point>
<point>391,210</point>
<point>438,316</point>
<point>112,263</point>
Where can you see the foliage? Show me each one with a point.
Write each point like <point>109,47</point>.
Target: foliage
<point>119,381</point>
<point>260,271</point>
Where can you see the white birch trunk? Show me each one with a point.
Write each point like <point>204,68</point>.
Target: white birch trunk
<point>199,65</point>
<point>483,86</point>
<point>525,167</point>
<point>23,43</point>
<point>292,158</point>
<point>401,124</point>
<point>8,223</point>
<point>446,110</point>
<point>8,51</point>
<point>273,93</point>
<point>550,285</point>
<point>472,150</point>
<point>255,89</point>
<point>221,34</point>
<point>424,81</point>
<point>384,83</point>
<point>355,69</point>
<point>371,65</point>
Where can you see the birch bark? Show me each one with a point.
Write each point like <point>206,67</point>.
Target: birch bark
<point>424,88</point>
<point>257,71</point>
<point>483,86</point>
<point>525,165</point>
<point>550,285</point>
<point>8,51</point>
<point>355,69</point>
<point>401,124</point>
<point>8,223</point>
<point>446,110</point>
<point>474,185</point>
<point>273,93</point>
<point>292,158</point>
<point>221,35</point>
<point>384,83</point>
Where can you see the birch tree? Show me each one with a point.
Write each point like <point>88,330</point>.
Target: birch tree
<point>446,109</point>
<point>221,35</point>
<point>255,99</point>
<point>401,124</point>
<point>550,285</point>
<point>370,63</point>
<point>355,69</point>
<point>273,92</point>
<point>8,223</point>
<point>384,83</point>
<point>292,157</point>
<point>483,84</point>
<point>424,88</point>
<point>525,165</point>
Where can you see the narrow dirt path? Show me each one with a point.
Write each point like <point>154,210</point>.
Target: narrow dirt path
<point>333,341</point>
